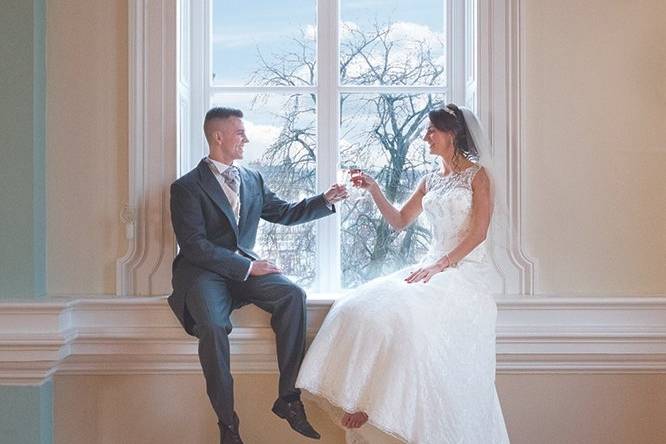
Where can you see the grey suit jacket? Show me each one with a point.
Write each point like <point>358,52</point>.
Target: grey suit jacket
<point>208,235</point>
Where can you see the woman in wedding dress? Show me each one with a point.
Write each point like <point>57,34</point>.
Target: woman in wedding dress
<point>410,357</point>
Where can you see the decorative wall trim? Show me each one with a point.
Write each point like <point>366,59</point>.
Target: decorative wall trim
<point>145,268</point>
<point>582,335</point>
<point>500,96</point>
<point>139,335</point>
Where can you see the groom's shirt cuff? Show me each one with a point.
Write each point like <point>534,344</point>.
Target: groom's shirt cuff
<point>249,270</point>
<point>327,203</point>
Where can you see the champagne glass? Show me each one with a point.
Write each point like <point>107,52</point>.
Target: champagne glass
<point>355,193</point>
<point>341,176</point>
<point>355,174</point>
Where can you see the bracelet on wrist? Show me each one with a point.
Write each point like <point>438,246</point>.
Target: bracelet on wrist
<point>447,262</point>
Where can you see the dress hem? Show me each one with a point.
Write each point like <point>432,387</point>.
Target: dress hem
<point>354,409</point>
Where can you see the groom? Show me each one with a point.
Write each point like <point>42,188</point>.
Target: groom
<point>215,211</point>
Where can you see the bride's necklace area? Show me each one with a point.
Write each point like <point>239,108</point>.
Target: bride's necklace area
<point>453,170</point>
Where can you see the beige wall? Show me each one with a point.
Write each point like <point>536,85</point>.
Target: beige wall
<point>595,152</point>
<point>170,409</point>
<point>539,409</point>
<point>86,153</point>
<point>584,409</point>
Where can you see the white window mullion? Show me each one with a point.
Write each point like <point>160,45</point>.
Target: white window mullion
<point>393,89</point>
<point>199,82</point>
<point>471,54</point>
<point>254,89</point>
<point>455,36</point>
<point>185,93</point>
<point>328,118</point>
<point>207,57</point>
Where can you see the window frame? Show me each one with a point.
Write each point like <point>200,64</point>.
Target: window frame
<point>156,98</point>
<point>328,90</point>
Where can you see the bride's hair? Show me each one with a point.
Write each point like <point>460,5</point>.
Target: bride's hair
<point>450,119</point>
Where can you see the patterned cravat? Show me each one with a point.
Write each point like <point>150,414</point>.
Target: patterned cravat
<point>232,178</point>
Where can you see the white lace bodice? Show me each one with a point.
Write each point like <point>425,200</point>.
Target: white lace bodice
<point>448,208</point>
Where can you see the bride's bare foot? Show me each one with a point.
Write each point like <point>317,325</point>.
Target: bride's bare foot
<point>354,420</point>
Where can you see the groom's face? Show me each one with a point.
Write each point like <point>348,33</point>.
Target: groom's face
<point>233,138</point>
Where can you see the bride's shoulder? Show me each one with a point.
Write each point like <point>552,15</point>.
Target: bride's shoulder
<point>471,171</point>
<point>479,177</point>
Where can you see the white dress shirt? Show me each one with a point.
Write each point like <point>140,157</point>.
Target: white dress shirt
<point>234,198</point>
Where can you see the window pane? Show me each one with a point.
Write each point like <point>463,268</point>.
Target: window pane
<point>471,53</point>
<point>392,42</point>
<point>383,135</point>
<point>250,39</point>
<point>282,133</point>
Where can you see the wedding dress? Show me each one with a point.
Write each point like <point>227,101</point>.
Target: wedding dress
<point>418,358</point>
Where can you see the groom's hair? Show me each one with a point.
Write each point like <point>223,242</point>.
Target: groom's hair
<point>219,113</point>
<point>222,113</point>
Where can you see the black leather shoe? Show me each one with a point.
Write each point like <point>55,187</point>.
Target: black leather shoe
<point>230,434</point>
<point>294,413</point>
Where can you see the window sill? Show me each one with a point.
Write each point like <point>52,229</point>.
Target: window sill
<point>108,335</point>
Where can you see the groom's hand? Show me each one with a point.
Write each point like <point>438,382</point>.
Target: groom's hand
<point>336,193</point>
<point>260,268</point>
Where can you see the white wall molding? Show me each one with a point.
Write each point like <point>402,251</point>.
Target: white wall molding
<point>139,335</point>
<point>145,268</point>
<point>582,335</point>
<point>500,101</point>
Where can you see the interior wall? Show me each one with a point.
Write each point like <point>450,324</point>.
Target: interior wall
<point>174,409</point>
<point>595,151</point>
<point>22,150</point>
<point>87,132</point>
<point>584,409</point>
<point>170,409</point>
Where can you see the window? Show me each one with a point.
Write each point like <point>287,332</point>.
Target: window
<point>326,86</point>
<point>167,53</point>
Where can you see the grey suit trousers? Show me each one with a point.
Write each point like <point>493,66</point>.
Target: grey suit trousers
<point>210,301</point>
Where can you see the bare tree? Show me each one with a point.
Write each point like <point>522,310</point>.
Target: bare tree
<point>379,130</point>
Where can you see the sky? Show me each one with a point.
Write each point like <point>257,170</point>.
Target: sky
<point>243,29</point>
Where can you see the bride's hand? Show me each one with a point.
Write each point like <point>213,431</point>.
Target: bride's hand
<point>425,273</point>
<point>361,180</point>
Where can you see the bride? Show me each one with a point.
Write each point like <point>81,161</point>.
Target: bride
<point>410,357</point>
